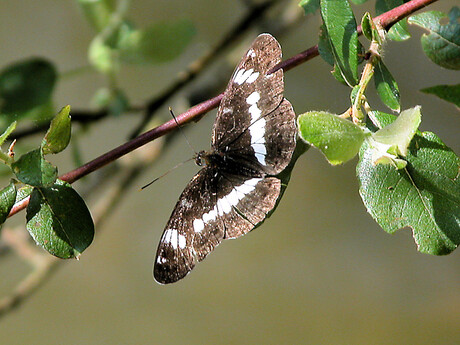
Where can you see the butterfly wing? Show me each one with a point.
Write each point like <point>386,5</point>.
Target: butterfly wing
<point>212,207</point>
<point>253,135</point>
<point>182,244</point>
<point>254,122</point>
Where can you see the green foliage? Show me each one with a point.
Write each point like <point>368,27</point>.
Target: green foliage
<point>342,36</point>
<point>424,196</point>
<point>442,44</point>
<point>57,217</point>
<point>26,85</point>
<point>406,178</point>
<point>58,136</point>
<point>7,200</point>
<point>393,140</point>
<point>449,93</point>
<point>59,221</point>
<point>338,139</point>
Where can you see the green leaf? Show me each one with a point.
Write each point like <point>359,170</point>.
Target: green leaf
<point>97,12</point>
<point>424,196</point>
<point>309,6</point>
<point>399,31</point>
<point>58,135</point>
<point>399,134</point>
<point>32,168</point>
<point>23,192</point>
<point>338,139</point>
<point>159,43</point>
<point>442,44</point>
<point>7,199</point>
<point>25,85</point>
<point>386,86</point>
<point>59,221</point>
<point>342,34</point>
<point>367,25</point>
<point>449,93</point>
<point>7,132</point>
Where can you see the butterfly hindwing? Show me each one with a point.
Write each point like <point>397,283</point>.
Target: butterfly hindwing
<point>180,247</point>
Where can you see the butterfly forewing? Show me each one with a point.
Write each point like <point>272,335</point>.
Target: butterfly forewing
<point>249,85</point>
<point>253,139</point>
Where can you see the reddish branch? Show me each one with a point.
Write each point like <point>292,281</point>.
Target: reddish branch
<point>386,20</point>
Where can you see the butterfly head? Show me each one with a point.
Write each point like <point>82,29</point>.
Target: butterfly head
<point>201,158</point>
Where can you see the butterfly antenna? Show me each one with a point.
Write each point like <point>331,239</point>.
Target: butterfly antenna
<point>181,130</point>
<point>166,173</point>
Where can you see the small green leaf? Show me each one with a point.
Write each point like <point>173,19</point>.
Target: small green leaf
<point>342,33</point>
<point>159,43</point>
<point>7,132</point>
<point>366,26</point>
<point>386,86</point>
<point>309,6</point>
<point>59,221</point>
<point>442,44</point>
<point>7,199</point>
<point>23,192</point>
<point>338,139</point>
<point>97,12</point>
<point>424,196</point>
<point>400,133</point>
<point>32,168</point>
<point>399,31</point>
<point>58,135</point>
<point>25,85</point>
<point>449,93</point>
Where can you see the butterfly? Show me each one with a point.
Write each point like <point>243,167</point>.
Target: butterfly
<point>253,139</point>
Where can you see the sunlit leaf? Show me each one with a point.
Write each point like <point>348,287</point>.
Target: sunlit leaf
<point>338,139</point>
<point>58,135</point>
<point>424,196</point>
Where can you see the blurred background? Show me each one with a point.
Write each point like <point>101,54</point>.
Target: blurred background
<point>319,271</point>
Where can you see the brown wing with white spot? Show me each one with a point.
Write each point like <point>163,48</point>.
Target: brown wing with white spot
<point>212,207</point>
<point>182,244</point>
<point>249,78</point>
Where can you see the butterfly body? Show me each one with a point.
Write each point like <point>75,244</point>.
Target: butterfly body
<point>252,141</point>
